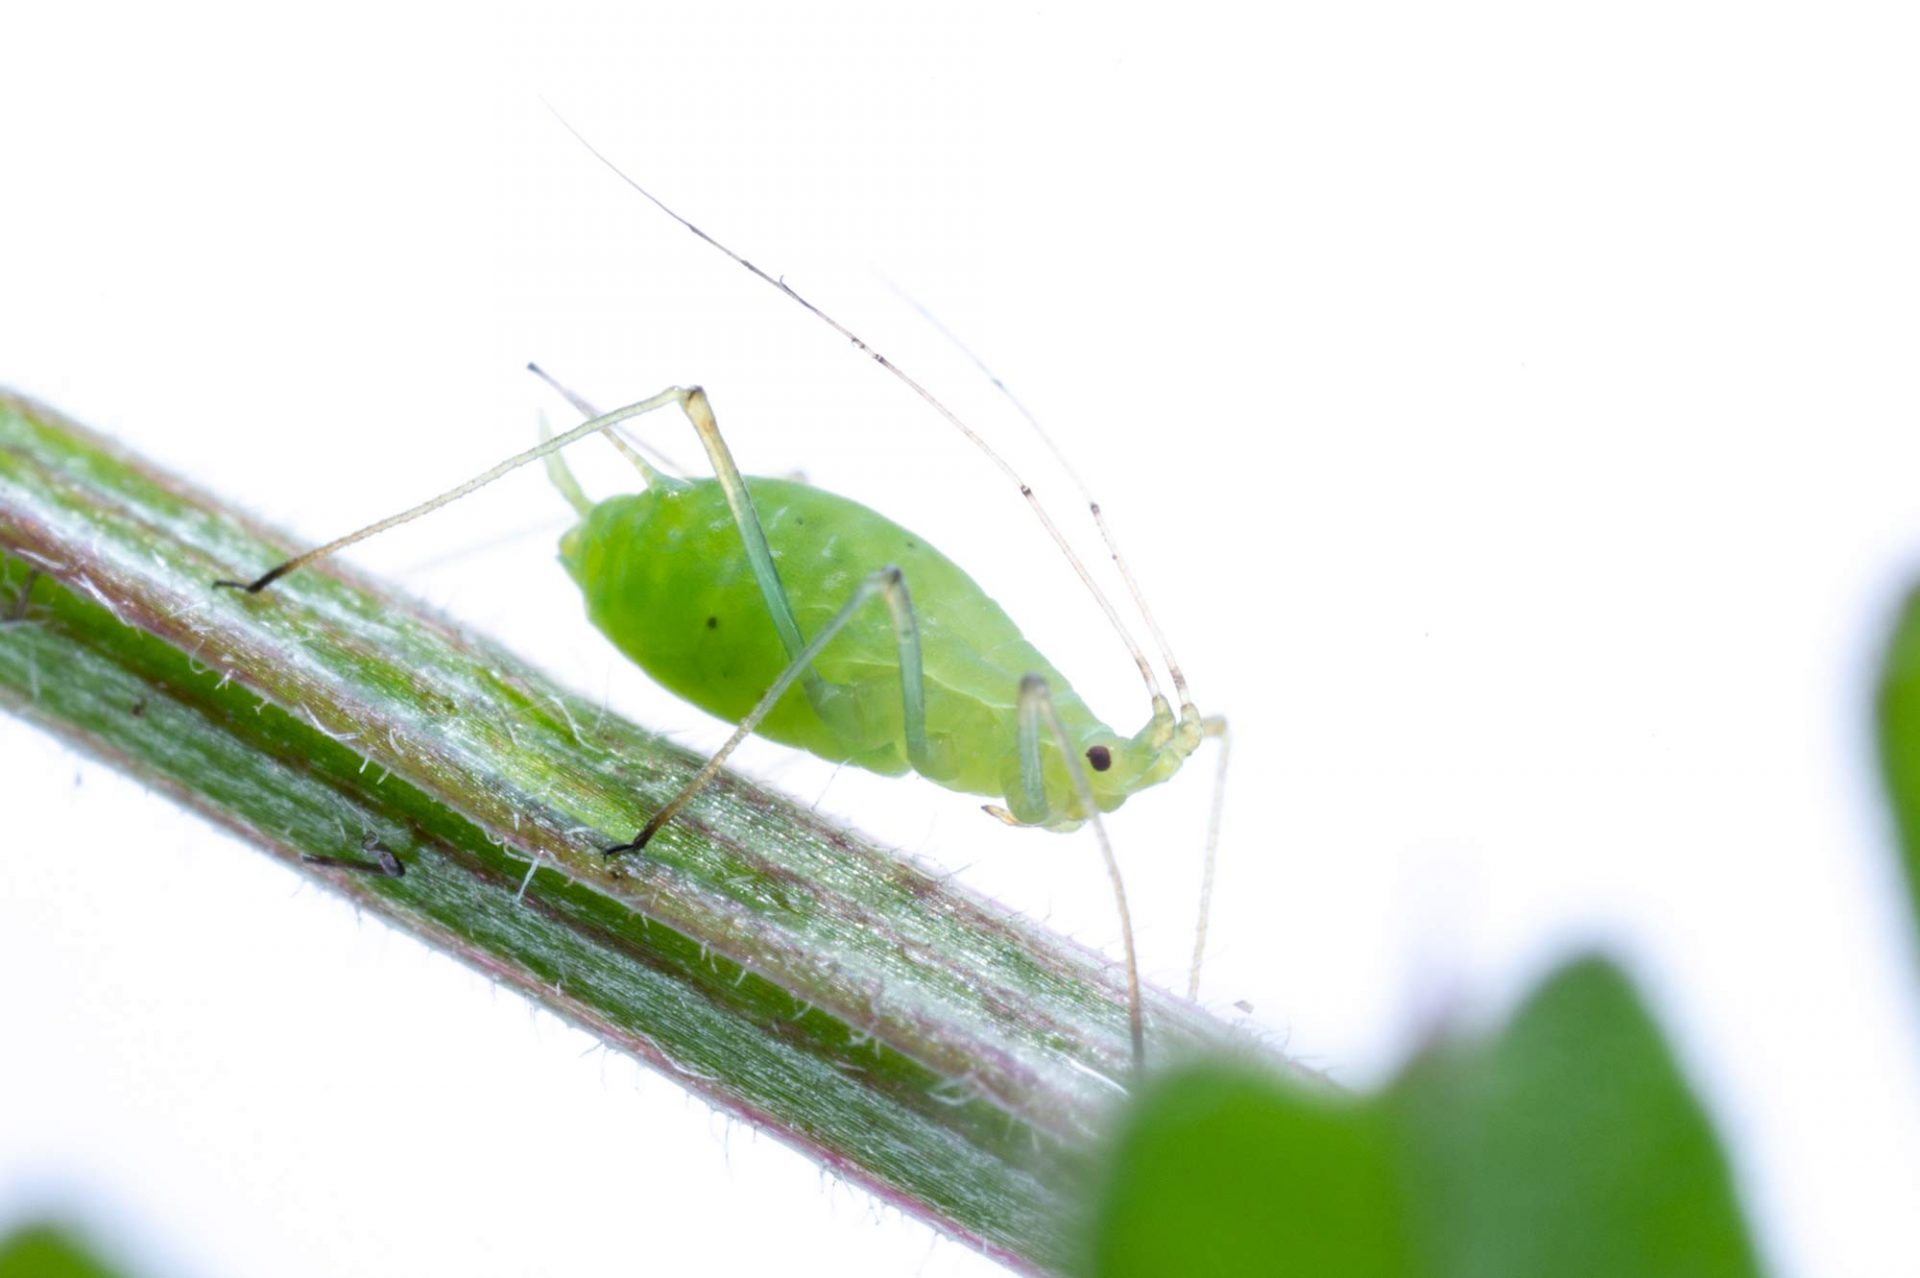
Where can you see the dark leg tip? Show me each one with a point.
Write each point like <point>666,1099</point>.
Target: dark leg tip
<point>385,866</point>
<point>639,841</point>
<point>265,579</point>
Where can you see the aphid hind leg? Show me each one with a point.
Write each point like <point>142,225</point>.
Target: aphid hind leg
<point>1037,713</point>
<point>545,448</point>
<point>890,584</point>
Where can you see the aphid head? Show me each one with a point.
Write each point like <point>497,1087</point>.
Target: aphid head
<point>1118,766</point>
<point>1115,767</point>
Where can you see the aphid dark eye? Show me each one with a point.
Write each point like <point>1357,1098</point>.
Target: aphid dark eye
<point>1100,757</point>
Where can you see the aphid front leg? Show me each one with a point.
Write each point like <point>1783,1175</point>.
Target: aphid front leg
<point>889,584</point>
<point>545,448</point>
<point>1215,727</point>
<point>1037,712</point>
<point>385,865</point>
<point>23,597</point>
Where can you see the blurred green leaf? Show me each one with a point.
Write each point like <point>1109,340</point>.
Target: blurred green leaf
<point>1224,1170</point>
<point>1900,739</point>
<point>1567,1145</point>
<point>45,1250</point>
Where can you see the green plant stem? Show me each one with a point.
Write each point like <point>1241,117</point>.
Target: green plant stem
<point>953,1058</point>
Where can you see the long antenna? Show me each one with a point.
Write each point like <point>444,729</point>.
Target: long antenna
<point>1073,473</point>
<point>1026,490</point>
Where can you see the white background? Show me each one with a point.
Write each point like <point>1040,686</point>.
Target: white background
<point>1513,417</point>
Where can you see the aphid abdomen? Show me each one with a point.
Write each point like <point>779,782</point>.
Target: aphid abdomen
<point>665,578</point>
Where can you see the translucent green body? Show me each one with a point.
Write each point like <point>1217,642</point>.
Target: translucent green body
<point>665,578</point>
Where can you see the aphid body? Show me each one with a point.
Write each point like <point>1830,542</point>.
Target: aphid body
<point>665,578</point>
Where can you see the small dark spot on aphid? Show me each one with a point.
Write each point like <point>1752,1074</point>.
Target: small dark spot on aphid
<point>139,708</point>
<point>1100,757</point>
<point>913,546</point>
<point>713,623</point>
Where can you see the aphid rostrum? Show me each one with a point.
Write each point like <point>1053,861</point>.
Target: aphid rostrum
<point>815,621</point>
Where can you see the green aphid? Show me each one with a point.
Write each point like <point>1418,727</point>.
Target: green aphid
<point>814,621</point>
<point>715,586</point>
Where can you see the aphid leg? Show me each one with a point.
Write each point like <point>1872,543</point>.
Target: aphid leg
<point>693,401</point>
<point>890,584</point>
<point>1036,708</point>
<point>546,448</point>
<point>628,448</point>
<point>23,596</point>
<point>759,554</point>
<point>1215,727</point>
<point>1033,786</point>
<point>385,865</point>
